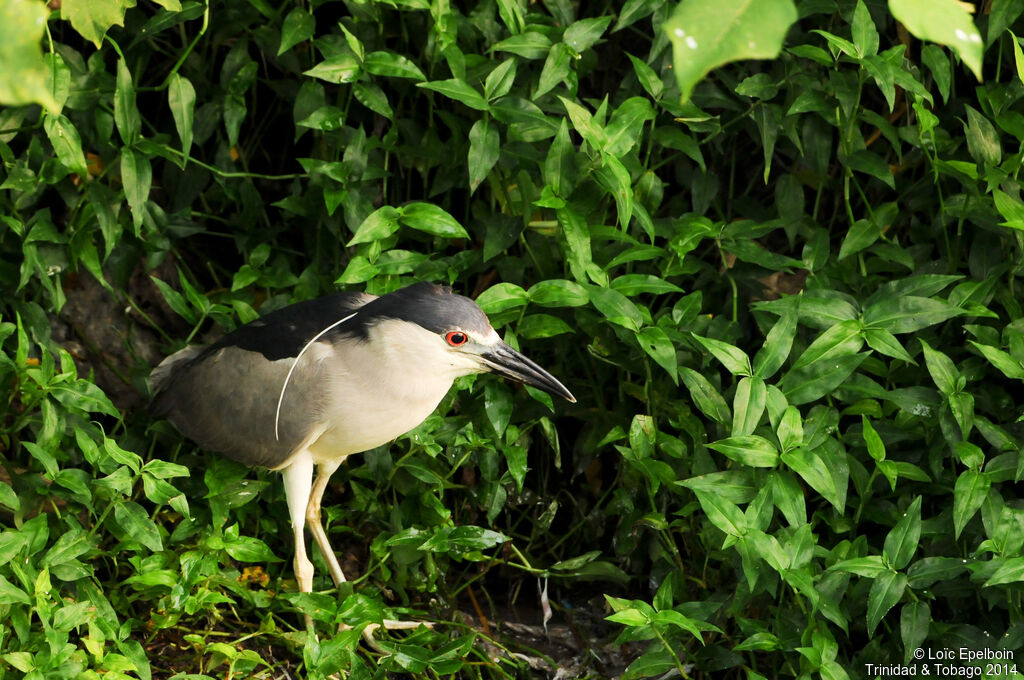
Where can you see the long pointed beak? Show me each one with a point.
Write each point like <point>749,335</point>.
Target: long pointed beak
<point>504,360</point>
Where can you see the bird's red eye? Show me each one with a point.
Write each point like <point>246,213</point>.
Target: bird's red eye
<point>455,338</point>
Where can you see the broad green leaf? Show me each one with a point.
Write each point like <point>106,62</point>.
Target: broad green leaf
<point>181,97</point>
<point>135,522</point>
<point>93,19</point>
<point>650,80</point>
<point>23,77</point>
<point>583,122</point>
<point>865,35</point>
<point>748,406</point>
<point>791,429</point>
<point>499,81</point>
<point>137,178</point>
<point>788,496</point>
<point>886,343</point>
<point>706,35</point>
<point>941,368</point>
<point>616,307</point>
<point>458,90</point>
<point>915,619</point>
<point>982,138</point>
<point>559,166</point>
<point>1006,363</point>
<point>431,219</point>
<point>627,121</point>
<point>750,450</point>
<point>901,542</point>
<point>373,97</point>
<point>946,22</point>
<point>1010,208</point>
<point>558,293</point>
<point>249,549</point>
<point>126,113</point>
<point>818,379</point>
<point>66,143</point>
<point>632,285</point>
<point>535,326</point>
<point>929,570</point>
<point>384,63</point>
<point>733,358</point>
<point>968,494</point>
<point>1010,571</point>
<point>842,339</point>
<point>777,345</point>
<point>577,237</point>
<point>814,471</point>
<point>876,447</point>
<point>723,513</point>
<point>484,149</point>
<point>885,592</point>
<point>656,343</point>
<point>341,68</point>
<point>909,313</point>
<point>501,297</point>
<point>528,45</point>
<point>704,395</point>
<point>557,68</point>
<point>299,25</point>
<point>582,35</point>
<point>870,566</point>
<point>380,224</point>
<point>613,177</point>
<point>736,486</point>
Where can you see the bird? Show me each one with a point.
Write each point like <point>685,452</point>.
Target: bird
<point>311,384</point>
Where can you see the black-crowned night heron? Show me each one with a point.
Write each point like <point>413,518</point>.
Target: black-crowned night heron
<point>315,382</point>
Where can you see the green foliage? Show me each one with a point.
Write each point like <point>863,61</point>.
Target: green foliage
<point>787,305</point>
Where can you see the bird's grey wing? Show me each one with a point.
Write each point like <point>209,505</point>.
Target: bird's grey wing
<point>225,396</point>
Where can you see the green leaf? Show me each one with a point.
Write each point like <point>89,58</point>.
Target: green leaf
<point>500,80</point>
<point>24,74</point>
<point>886,343</point>
<point>942,369</point>
<point>385,63</point>
<point>299,25</point>
<point>373,97</point>
<point>842,339</point>
<point>536,326</point>
<point>431,219</point>
<point>704,395</point>
<point>181,97</point>
<point>583,34</point>
<point>723,513</point>
<point>982,138</point>
<point>791,429</point>
<point>818,379</point>
<point>558,293</point>
<point>378,225</point>
<point>135,523</point>
<point>556,69</point>
<point>577,238</point>
<point>501,297</point>
<point>969,493</point>
<point>341,68</point>
<point>876,447</point>
<point>92,19</point>
<point>706,35</point>
<point>126,113</point>
<point>945,22</point>
<point>777,345</point>
<point>750,450</point>
<point>865,35</point>
<point>1007,364</point>
<point>885,592</point>
<point>901,542</point>
<point>656,343</point>
<point>137,177</point>
<point>528,45</point>
<point>870,566</point>
<point>733,358</point>
<point>915,619</point>
<point>458,90</point>
<point>925,572</point>
<point>616,307</point>
<point>249,549</point>
<point>66,143</point>
<point>484,149</point>
<point>809,465</point>
<point>748,406</point>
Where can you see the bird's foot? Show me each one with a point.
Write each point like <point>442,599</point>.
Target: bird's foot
<point>386,624</point>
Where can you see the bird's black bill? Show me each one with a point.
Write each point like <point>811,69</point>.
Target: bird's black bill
<point>506,361</point>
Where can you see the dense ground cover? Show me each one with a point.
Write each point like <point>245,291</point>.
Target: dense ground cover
<point>787,306</point>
